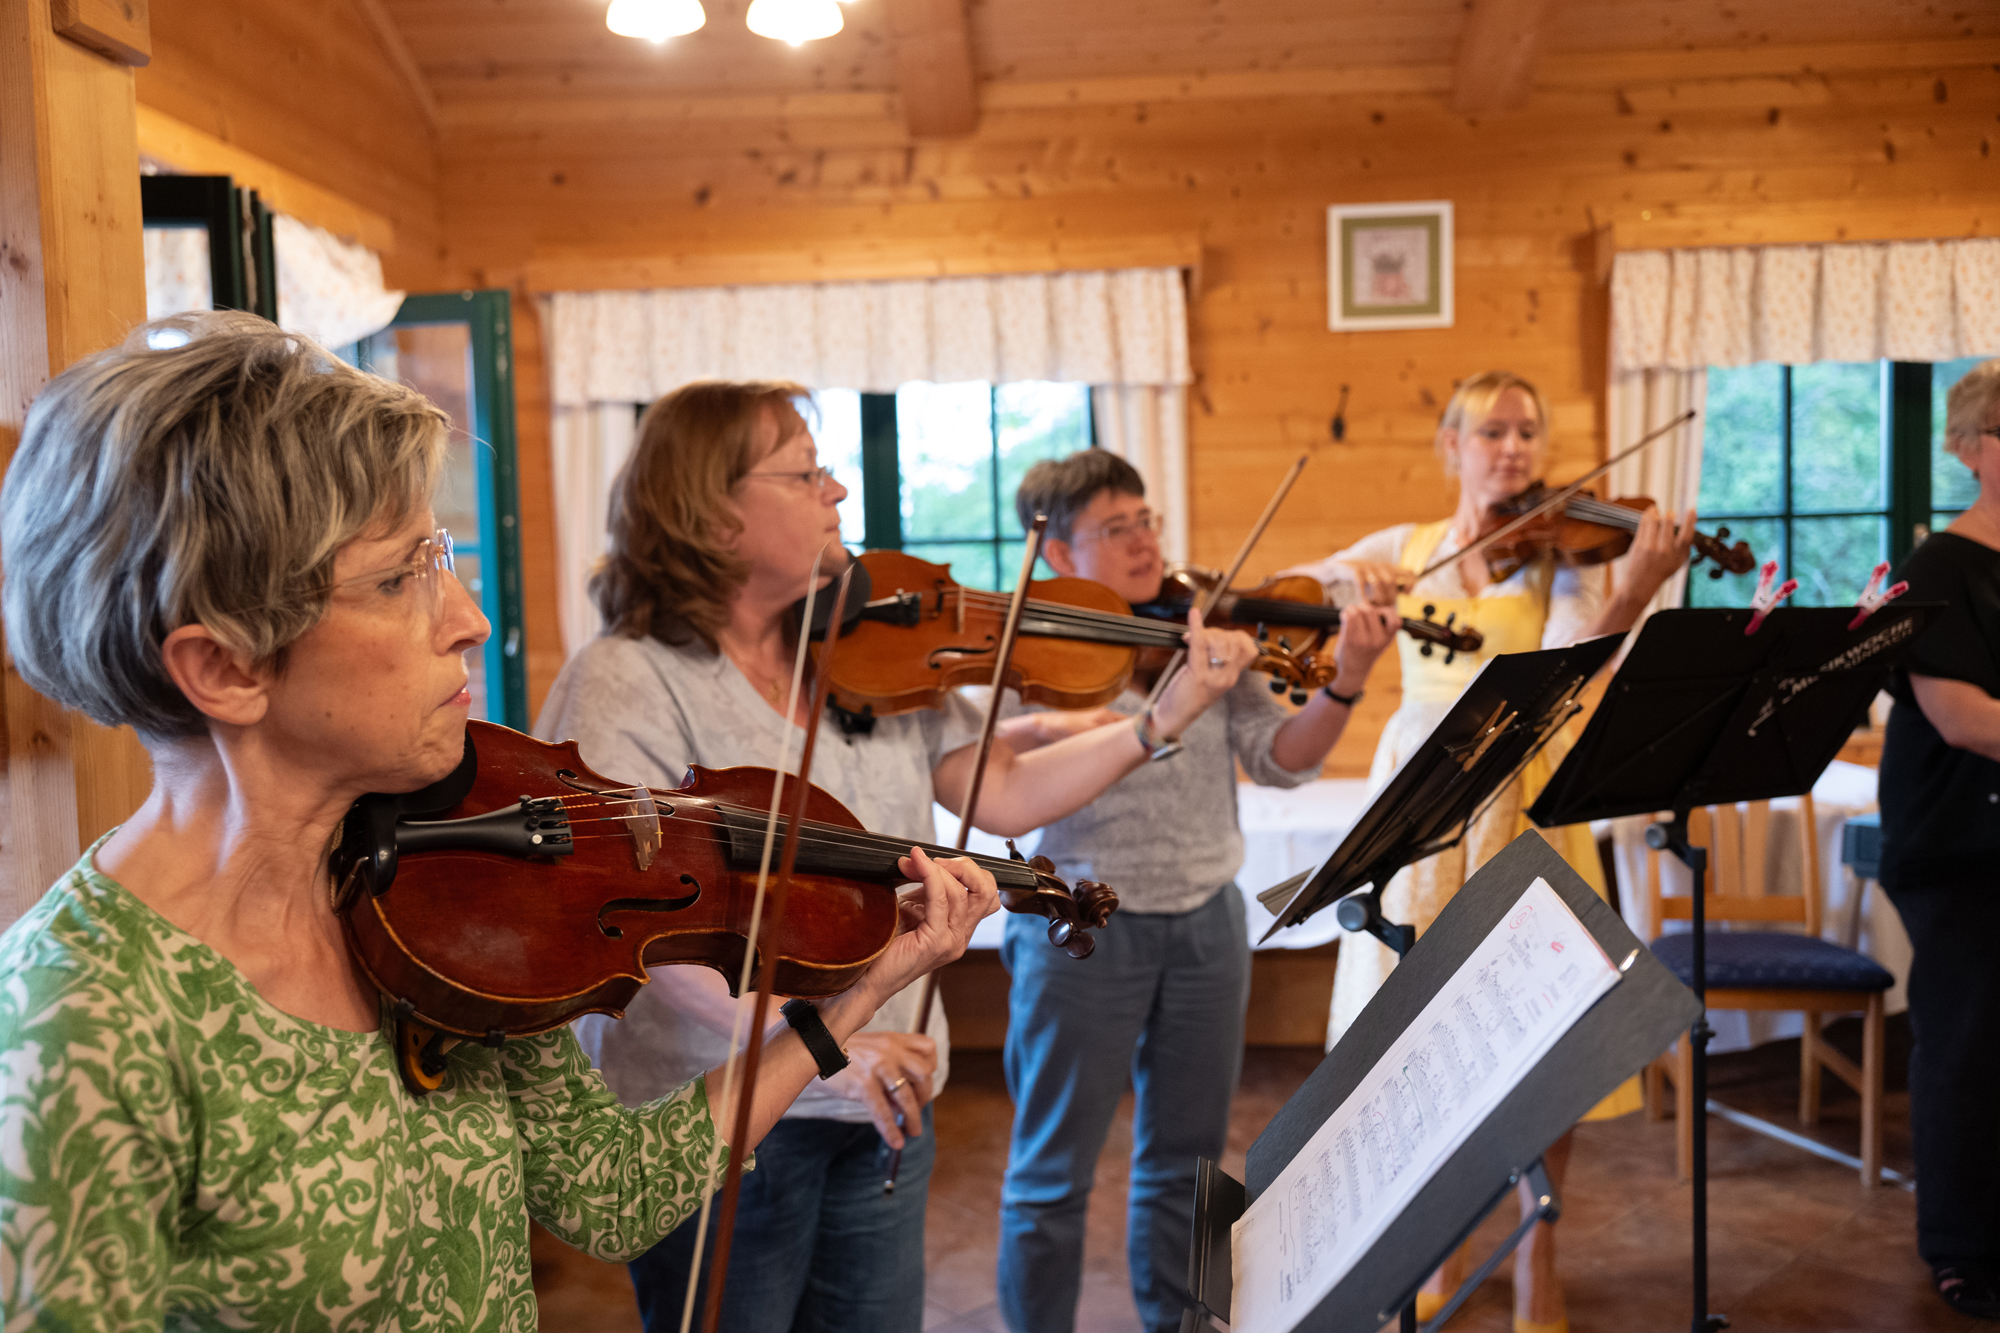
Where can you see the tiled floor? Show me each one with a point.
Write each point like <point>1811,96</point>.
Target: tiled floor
<point>1794,1242</point>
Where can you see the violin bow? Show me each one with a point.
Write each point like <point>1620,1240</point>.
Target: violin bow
<point>767,964</point>
<point>1560,497</point>
<point>979,756</point>
<point>1215,594</point>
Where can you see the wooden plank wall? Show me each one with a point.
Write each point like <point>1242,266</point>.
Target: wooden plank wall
<point>311,86</point>
<point>1886,140</point>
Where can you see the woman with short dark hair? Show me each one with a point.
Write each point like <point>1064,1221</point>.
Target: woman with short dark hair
<point>1941,862</point>
<point>222,536</point>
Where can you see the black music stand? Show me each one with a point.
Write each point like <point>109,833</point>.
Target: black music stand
<point>1703,713</point>
<point>1504,717</point>
<point>1615,1037</point>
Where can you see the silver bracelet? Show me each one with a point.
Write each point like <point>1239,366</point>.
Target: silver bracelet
<point>1156,746</point>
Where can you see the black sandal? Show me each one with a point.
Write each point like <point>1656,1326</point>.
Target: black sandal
<point>1970,1291</point>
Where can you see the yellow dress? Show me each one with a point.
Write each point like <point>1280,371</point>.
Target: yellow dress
<point>1510,623</point>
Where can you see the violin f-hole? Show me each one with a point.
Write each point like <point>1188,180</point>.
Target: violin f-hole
<point>935,658</point>
<point>645,905</point>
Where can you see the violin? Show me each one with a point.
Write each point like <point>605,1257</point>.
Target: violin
<point>1585,530</point>
<point>525,890</point>
<point>1292,610</point>
<point>1077,646</point>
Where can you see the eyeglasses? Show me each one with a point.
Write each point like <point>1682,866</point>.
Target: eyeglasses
<point>816,478</point>
<point>1123,530</point>
<point>420,579</point>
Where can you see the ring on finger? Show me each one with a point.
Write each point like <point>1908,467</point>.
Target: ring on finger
<point>897,1085</point>
<point>1216,662</point>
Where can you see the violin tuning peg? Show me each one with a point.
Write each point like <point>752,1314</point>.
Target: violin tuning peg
<point>1429,610</point>
<point>1299,697</point>
<point>1277,686</point>
<point>1449,654</point>
<point>1451,620</point>
<point>1424,650</point>
<point>1716,571</point>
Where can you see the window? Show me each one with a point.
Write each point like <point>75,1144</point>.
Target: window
<point>1828,469</point>
<point>932,468</point>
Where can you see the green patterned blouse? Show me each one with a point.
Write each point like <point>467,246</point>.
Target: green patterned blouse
<point>176,1152</point>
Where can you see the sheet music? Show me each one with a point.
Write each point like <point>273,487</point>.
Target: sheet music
<point>1526,984</point>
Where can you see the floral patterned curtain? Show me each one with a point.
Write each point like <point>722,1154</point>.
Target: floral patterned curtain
<point>328,289</point>
<point>1127,326</point>
<point>1901,300</point>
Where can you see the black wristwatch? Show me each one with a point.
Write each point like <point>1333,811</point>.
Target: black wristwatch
<point>1348,699</point>
<point>805,1020</point>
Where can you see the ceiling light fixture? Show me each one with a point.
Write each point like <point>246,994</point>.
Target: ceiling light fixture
<point>793,21</point>
<point>654,20</point>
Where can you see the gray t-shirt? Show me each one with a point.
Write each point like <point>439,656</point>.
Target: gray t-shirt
<point>642,711</point>
<point>1165,836</point>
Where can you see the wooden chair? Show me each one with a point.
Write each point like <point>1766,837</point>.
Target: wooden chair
<point>1767,969</point>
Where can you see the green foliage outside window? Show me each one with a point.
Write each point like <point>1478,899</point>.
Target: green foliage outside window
<point>1821,466</point>
<point>957,453</point>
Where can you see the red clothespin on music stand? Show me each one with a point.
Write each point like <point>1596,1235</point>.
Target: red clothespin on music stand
<point>1767,597</point>
<point>1871,601</point>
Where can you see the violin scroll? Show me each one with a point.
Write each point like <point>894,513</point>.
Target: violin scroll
<point>1072,913</point>
<point>1737,559</point>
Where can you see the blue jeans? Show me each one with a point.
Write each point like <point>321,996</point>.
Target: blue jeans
<point>818,1248</point>
<point>1163,998</point>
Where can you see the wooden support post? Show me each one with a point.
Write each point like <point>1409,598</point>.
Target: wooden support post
<point>72,281</point>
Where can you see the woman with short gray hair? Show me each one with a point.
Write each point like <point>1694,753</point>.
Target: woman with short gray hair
<point>1940,844</point>
<point>222,536</point>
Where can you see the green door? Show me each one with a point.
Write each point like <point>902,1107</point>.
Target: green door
<point>457,349</point>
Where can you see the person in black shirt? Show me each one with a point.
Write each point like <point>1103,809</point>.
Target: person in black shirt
<point>1940,792</point>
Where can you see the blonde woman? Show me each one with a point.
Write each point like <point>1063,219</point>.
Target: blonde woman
<point>1492,440</point>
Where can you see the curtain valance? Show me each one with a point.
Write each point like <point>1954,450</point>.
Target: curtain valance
<point>1124,326</point>
<point>328,289</point>
<point>1900,300</point>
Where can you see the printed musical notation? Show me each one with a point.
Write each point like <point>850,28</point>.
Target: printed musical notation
<point>1526,984</point>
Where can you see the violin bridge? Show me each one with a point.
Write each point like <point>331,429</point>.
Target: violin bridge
<point>641,818</point>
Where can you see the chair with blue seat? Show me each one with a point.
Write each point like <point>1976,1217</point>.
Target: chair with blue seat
<point>1768,968</point>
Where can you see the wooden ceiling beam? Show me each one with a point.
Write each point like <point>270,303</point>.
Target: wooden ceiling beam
<point>1497,51</point>
<point>398,50</point>
<point>934,68</point>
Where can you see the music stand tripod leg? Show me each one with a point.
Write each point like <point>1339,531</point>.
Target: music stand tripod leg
<point>1672,836</point>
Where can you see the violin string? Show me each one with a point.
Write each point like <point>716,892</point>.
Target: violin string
<point>827,834</point>
<point>815,835</point>
<point>1167,635</point>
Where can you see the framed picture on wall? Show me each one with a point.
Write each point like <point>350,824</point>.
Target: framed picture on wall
<point>1389,266</point>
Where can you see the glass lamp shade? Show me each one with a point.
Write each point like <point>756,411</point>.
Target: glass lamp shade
<point>654,20</point>
<point>793,21</point>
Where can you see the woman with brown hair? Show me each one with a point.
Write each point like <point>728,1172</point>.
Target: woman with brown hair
<point>715,526</point>
<point>1493,440</point>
